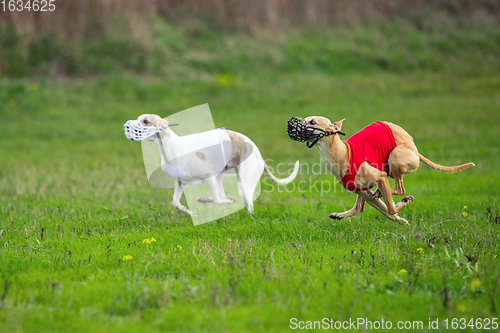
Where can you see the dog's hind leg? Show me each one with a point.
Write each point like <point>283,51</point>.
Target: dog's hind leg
<point>220,190</point>
<point>368,176</point>
<point>402,160</point>
<point>176,200</point>
<point>217,198</point>
<point>384,188</point>
<point>245,191</point>
<point>399,189</point>
<point>204,199</point>
<point>359,207</point>
<point>249,173</point>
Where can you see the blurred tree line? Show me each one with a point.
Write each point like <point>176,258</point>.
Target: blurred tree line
<point>96,36</point>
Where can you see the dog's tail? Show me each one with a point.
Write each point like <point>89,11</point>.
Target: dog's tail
<point>442,167</point>
<point>286,180</point>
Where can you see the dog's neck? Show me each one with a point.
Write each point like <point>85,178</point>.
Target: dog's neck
<point>170,144</point>
<point>335,154</point>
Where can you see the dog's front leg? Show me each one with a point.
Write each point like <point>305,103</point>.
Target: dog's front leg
<point>176,200</point>
<point>368,176</point>
<point>217,198</point>
<point>359,207</point>
<point>379,205</point>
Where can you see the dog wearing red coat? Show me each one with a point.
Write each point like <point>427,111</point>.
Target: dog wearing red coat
<point>366,160</point>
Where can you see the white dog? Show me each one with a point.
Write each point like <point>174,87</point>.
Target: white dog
<point>203,158</point>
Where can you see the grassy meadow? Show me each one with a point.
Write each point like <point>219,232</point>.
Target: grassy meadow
<point>86,244</point>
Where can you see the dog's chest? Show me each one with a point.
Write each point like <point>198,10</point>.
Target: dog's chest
<point>197,156</point>
<point>331,166</point>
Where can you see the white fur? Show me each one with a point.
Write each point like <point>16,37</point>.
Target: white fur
<point>249,171</point>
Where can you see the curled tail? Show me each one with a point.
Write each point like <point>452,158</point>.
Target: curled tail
<point>286,180</point>
<point>442,167</point>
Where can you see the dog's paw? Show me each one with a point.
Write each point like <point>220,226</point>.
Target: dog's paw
<point>185,211</point>
<point>401,220</point>
<point>228,201</point>
<point>204,199</point>
<point>408,199</point>
<point>335,216</point>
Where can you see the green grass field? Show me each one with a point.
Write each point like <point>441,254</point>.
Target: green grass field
<point>75,203</point>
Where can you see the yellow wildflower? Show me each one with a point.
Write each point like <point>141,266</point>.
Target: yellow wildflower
<point>127,257</point>
<point>461,308</point>
<point>464,214</point>
<point>402,271</point>
<point>465,207</point>
<point>224,80</point>
<point>149,240</point>
<point>179,247</point>
<point>420,249</point>
<point>475,284</point>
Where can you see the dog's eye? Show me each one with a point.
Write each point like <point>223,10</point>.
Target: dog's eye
<point>146,121</point>
<point>312,122</point>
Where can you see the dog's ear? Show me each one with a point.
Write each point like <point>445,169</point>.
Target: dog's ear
<point>163,122</point>
<point>337,126</point>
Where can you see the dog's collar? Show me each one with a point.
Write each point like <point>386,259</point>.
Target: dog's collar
<point>299,131</point>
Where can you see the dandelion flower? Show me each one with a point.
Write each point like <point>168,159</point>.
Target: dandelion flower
<point>464,214</point>
<point>179,247</point>
<point>475,284</point>
<point>465,207</point>
<point>420,249</point>
<point>402,271</point>
<point>127,257</point>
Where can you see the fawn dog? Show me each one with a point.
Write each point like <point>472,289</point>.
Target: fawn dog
<point>366,159</point>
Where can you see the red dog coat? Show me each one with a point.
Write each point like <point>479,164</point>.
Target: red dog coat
<point>373,143</point>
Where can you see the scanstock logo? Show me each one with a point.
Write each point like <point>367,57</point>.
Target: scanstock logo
<point>165,166</point>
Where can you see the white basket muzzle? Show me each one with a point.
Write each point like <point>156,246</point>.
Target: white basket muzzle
<point>136,131</point>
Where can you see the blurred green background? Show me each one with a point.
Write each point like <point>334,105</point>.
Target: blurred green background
<point>75,202</point>
<point>174,38</point>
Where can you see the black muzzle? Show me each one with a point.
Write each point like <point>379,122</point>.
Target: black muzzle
<point>299,131</point>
